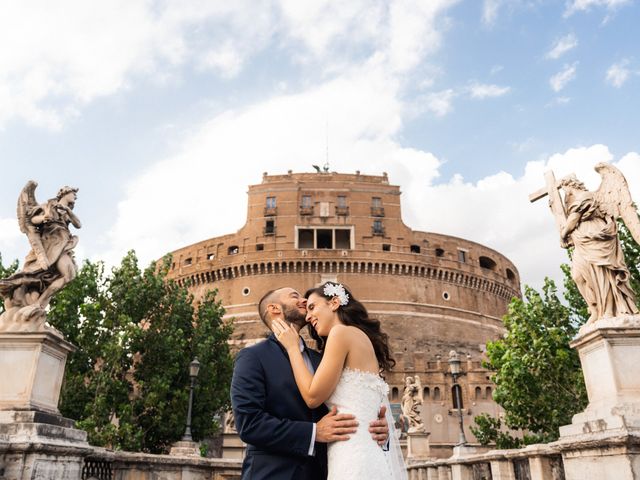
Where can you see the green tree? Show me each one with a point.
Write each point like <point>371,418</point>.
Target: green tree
<point>137,331</point>
<point>5,272</point>
<point>538,378</point>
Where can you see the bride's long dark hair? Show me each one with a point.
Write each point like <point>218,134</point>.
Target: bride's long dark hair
<point>355,314</point>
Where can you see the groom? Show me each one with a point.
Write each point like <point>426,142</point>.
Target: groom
<point>285,439</point>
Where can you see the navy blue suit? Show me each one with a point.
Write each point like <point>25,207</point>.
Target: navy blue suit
<point>272,418</point>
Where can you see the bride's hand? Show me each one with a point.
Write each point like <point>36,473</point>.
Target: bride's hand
<point>286,335</point>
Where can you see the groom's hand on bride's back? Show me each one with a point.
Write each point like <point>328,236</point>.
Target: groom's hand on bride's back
<point>335,427</point>
<point>379,429</point>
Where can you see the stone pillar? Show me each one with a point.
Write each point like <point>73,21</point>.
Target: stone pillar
<point>432,473</point>
<point>185,448</point>
<point>418,447</point>
<point>460,471</point>
<point>444,472</point>
<point>502,470</point>
<point>604,441</point>
<point>32,366</point>
<point>540,468</point>
<point>36,442</point>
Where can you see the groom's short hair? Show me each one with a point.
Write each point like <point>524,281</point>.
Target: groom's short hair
<point>266,299</point>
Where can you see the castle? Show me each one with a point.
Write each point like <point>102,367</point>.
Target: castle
<point>432,292</point>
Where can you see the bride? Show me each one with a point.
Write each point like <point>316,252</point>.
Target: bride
<point>356,351</point>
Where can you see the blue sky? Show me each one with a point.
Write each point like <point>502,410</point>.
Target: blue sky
<point>163,112</point>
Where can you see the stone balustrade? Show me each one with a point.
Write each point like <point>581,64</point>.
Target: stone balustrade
<point>109,465</point>
<point>534,462</point>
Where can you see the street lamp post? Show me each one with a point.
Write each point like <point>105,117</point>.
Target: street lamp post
<point>194,368</point>
<point>454,369</point>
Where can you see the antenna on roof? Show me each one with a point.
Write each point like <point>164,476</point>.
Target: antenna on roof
<point>325,167</point>
<point>326,154</point>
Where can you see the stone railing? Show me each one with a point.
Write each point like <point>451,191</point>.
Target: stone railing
<point>534,462</point>
<point>109,465</point>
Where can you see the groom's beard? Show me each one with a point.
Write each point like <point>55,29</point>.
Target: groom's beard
<point>293,315</point>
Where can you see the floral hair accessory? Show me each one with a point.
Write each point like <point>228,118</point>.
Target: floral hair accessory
<point>336,290</point>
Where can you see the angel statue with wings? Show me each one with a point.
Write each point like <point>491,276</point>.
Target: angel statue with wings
<point>588,222</point>
<point>411,401</point>
<point>49,266</point>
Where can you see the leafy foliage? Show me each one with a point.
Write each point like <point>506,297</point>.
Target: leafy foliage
<point>128,383</point>
<point>5,272</point>
<point>538,378</point>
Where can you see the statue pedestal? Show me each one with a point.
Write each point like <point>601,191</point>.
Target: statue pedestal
<point>32,366</point>
<point>185,449</point>
<point>418,446</point>
<point>35,440</point>
<point>604,441</point>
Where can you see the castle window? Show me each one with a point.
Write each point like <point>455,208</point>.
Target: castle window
<point>270,227</point>
<point>489,393</point>
<point>394,394</point>
<point>305,238</point>
<point>211,256</point>
<point>377,228</point>
<point>233,250</point>
<point>425,392</point>
<point>439,252</point>
<point>343,239</point>
<point>415,248</point>
<point>478,393</point>
<point>488,263</point>
<point>324,238</point>
<point>376,207</point>
<point>436,393</point>
<point>462,256</point>
<point>306,207</point>
<point>270,206</point>
<point>341,206</point>
<point>510,275</point>
<point>386,247</point>
<point>259,247</point>
<point>456,396</point>
<point>188,261</point>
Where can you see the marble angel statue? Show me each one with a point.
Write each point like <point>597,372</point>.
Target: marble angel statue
<point>587,221</point>
<point>49,266</point>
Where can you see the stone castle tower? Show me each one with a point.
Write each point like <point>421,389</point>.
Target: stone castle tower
<point>433,293</point>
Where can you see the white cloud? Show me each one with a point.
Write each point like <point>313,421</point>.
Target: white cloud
<point>562,46</point>
<point>66,54</point>
<point>618,73</point>
<point>200,191</point>
<point>439,103</point>
<point>495,211</point>
<point>586,5</point>
<point>415,30</point>
<point>563,77</point>
<point>224,59</point>
<point>490,11</point>
<point>480,90</point>
<point>77,51</point>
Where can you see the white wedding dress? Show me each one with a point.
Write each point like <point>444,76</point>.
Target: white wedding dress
<point>360,458</point>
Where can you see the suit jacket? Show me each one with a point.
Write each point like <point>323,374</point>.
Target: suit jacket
<point>272,418</point>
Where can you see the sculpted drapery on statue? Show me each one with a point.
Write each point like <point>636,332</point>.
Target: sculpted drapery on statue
<point>411,400</point>
<point>49,266</point>
<point>587,221</point>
